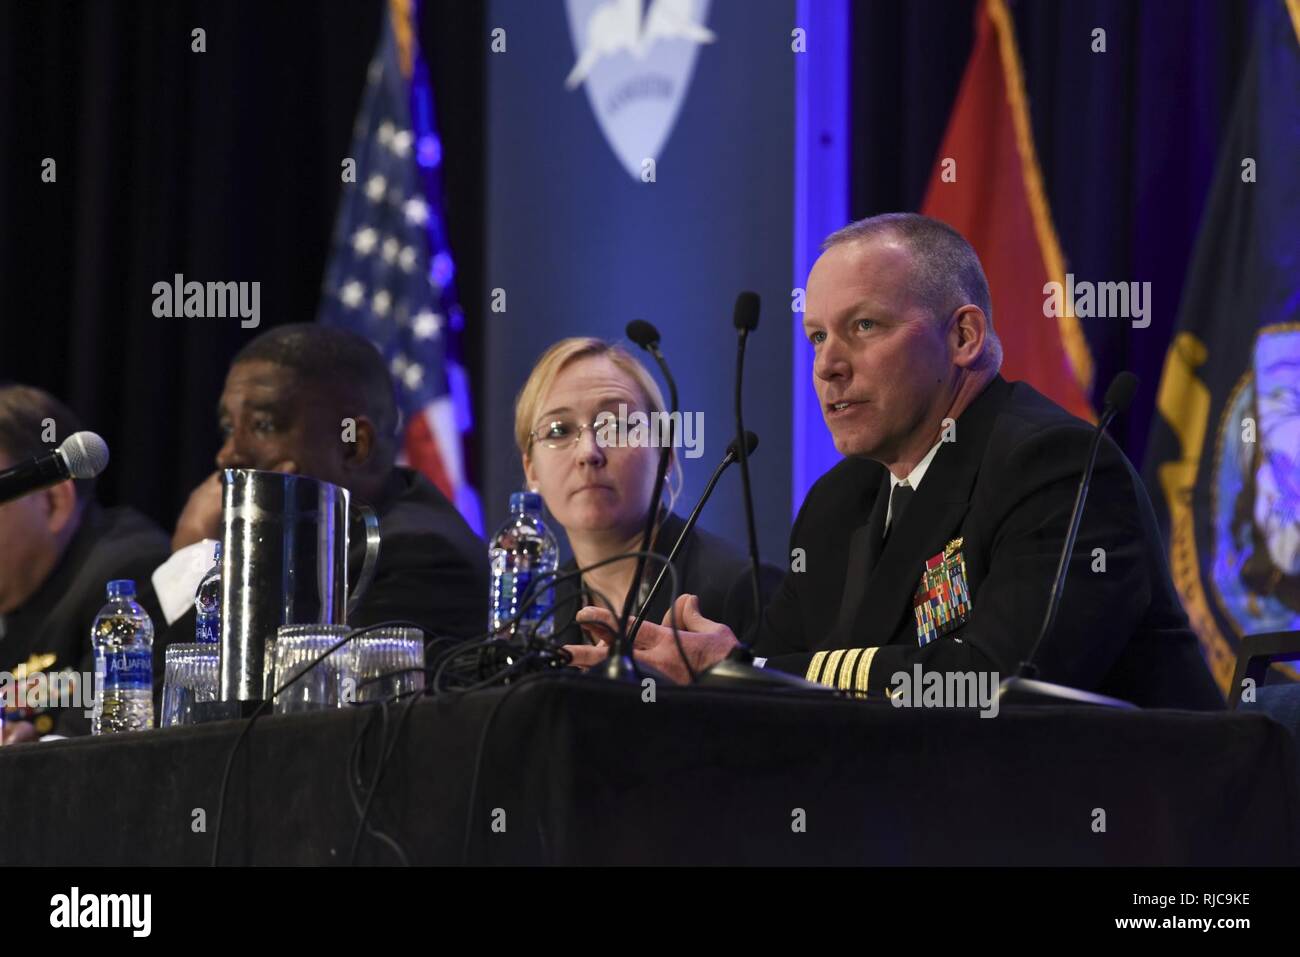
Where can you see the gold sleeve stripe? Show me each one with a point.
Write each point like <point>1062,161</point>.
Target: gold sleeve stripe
<point>815,667</point>
<point>832,667</point>
<point>845,680</point>
<point>863,673</point>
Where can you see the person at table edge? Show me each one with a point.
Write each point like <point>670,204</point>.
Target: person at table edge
<point>58,550</point>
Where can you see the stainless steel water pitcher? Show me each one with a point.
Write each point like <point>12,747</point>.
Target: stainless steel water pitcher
<point>284,561</point>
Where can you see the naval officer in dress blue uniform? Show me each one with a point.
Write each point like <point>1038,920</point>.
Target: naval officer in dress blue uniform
<point>935,542</point>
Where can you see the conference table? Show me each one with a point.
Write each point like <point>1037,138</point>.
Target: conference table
<point>564,768</point>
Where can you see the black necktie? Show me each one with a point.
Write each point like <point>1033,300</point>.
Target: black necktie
<point>898,499</point>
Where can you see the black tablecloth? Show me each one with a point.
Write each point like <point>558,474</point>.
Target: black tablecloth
<point>573,770</point>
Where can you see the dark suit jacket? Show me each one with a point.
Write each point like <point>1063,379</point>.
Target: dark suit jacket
<point>109,544</point>
<point>1006,487</point>
<point>433,568</point>
<point>707,566</point>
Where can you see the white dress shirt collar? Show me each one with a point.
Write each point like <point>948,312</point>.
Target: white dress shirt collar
<point>913,478</point>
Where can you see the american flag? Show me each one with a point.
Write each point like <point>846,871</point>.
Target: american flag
<point>391,277</point>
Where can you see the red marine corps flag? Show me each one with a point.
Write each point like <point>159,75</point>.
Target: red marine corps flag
<point>987,185</point>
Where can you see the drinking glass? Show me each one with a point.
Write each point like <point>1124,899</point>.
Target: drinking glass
<point>389,662</point>
<point>315,687</point>
<point>189,678</point>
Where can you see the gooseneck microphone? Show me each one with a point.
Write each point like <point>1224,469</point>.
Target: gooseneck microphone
<point>1025,686</point>
<point>737,669</point>
<point>733,453</point>
<point>745,319</point>
<point>619,665</point>
<point>82,455</point>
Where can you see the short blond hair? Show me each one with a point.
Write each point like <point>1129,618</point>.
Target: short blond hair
<point>553,361</point>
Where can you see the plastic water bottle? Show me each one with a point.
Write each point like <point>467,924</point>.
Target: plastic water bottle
<point>522,551</point>
<point>207,604</point>
<point>122,638</point>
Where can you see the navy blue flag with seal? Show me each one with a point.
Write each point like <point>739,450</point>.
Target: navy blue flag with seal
<point>1224,454</point>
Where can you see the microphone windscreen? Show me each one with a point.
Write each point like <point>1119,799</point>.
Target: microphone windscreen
<point>751,443</point>
<point>644,334</point>
<point>85,453</point>
<point>1121,390</point>
<point>745,315</point>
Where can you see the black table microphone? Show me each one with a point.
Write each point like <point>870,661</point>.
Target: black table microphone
<point>733,453</point>
<point>82,455</point>
<point>1025,687</point>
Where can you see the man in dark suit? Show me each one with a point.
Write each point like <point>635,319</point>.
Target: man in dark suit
<point>317,400</point>
<point>58,551</point>
<point>934,543</point>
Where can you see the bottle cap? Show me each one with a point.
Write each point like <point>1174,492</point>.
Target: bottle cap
<point>121,588</point>
<point>526,502</point>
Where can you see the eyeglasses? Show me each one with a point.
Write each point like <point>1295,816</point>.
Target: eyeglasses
<point>566,433</point>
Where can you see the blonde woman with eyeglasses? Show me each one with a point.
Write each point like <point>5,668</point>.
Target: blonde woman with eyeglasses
<point>599,491</point>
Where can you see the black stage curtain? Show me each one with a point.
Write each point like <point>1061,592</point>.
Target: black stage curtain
<point>222,165</point>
